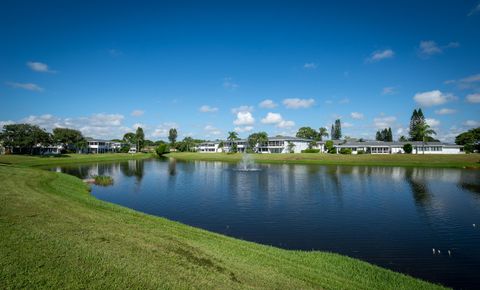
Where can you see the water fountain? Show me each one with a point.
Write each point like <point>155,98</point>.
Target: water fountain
<point>247,163</point>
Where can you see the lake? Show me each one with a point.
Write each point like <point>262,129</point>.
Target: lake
<point>389,216</point>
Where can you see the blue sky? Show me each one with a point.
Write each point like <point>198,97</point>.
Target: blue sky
<point>210,67</point>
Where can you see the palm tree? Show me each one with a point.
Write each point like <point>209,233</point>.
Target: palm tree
<point>424,131</point>
<point>232,135</point>
<point>322,132</point>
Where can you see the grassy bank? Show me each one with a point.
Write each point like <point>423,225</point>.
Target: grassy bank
<point>410,160</point>
<point>54,234</point>
<point>27,160</point>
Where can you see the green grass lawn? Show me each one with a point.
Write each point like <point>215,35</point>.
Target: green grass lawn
<point>54,234</point>
<point>411,160</point>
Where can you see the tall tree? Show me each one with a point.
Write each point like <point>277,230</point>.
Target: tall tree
<point>337,130</point>
<point>307,133</point>
<point>389,135</point>
<point>257,138</point>
<point>332,132</point>
<point>322,132</point>
<point>140,138</point>
<point>384,135</point>
<point>416,121</point>
<point>24,137</point>
<point>172,136</point>
<point>70,139</point>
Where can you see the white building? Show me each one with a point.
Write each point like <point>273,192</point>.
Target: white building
<point>102,146</point>
<point>381,147</point>
<point>273,145</point>
<point>209,147</point>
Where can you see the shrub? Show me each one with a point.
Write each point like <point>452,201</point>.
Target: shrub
<point>360,152</point>
<point>311,151</point>
<point>103,180</point>
<point>329,147</point>
<point>162,149</point>
<point>345,151</point>
<point>408,148</point>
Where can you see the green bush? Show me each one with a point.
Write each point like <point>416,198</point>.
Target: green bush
<point>345,151</point>
<point>311,151</point>
<point>124,149</point>
<point>103,180</point>
<point>162,149</point>
<point>408,148</point>
<point>360,152</point>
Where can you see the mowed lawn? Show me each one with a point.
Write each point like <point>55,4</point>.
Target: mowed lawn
<point>54,234</point>
<point>410,160</point>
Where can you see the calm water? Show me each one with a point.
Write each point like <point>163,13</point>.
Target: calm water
<point>389,216</point>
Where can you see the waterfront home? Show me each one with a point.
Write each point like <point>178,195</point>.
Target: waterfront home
<point>102,146</point>
<point>396,147</point>
<point>209,147</point>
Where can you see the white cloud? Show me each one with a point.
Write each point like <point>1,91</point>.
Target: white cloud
<point>229,84</point>
<point>356,115</point>
<point>379,55</point>
<point>267,104</point>
<point>475,10</point>
<point>432,98</point>
<point>139,125</point>
<point>243,129</point>
<point>473,98</point>
<point>244,118</point>
<point>296,103</point>
<point>472,123</point>
<point>243,108</point>
<point>388,91</point>
<point>137,113</point>
<point>211,130</point>
<point>272,118</point>
<point>285,124</point>
<point>277,119</point>
<point>445,111</point>
<point>207,109</point>
<point>25,86</point>
<point>432,122</point>
<point>344,101</point>
<point>39,67</point>
<point>161,131</point>
<point>384,121</point>
<point>347,125</point>
<point>309,65</point>
<point>430,47</point>
<point>7,122</point>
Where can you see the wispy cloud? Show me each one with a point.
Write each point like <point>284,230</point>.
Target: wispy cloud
<point>208,109</point>
<point>137,113</point>
<point>432,98</point>
<point>473,98</point>
<point>384,121</point>
<point>267,104</point>
<point>211,130</point>
<point>389,90</point>
<point>296,103</point>
<point>356,115</point>
<point>445,111</point>
<point>229,84</point>
<point>39,67</point>
<point>243,108</point>
<point>379,55</point>
<point>25,86</point>
<point>475,10</point>
<point>310,65</point>
<point>428,48</point>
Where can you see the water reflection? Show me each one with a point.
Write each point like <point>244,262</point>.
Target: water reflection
<point>389,216</point>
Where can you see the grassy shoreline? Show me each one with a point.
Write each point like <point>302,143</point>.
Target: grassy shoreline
<point>404,160</point>
<point>54,234</point>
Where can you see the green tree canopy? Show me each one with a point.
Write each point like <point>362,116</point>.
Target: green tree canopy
<point>130,138</point>
<point>307,133</point>
<point>470,140</point>
<point>24,137</point>
<point>70,139</point>
<point>257,138</point>
<point>140,138</point>
<point>322,132</point>
<point>232,136</point>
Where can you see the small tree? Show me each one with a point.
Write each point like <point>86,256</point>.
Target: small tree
<point>408,148</point>
<point>322,132</point>
<point>162,149</point>
<point>312,144</point>
<point>329,147</point>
